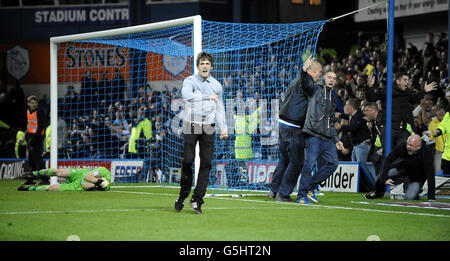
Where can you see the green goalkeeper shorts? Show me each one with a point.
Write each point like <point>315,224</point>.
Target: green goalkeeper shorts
<point>75,180</point>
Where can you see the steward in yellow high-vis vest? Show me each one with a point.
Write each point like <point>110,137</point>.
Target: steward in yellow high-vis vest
<point>143,126</point>
<point>48,132</point>
<point>440,140</point>
<point>20,146</point>
<point>244,126</point>
<point>442,129</point>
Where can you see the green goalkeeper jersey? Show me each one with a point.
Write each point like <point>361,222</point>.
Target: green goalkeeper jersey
<point>76,179</point>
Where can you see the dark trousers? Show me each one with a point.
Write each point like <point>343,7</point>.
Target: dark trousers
<point>398,174</point>
<point>411,188</point>
<point>445,165</point>
<point>35,160</point>
<point>290,163</point>
<point>206,141</point>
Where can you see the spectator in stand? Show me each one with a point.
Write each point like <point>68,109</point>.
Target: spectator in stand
<point>88,86</point>
<point>346,153</point>
<point>401,109</point>
<point>423,114</point>
<point>376,121</point>
<point>71,103</point>
<point>118,86</point>
<point>17,108</point>
<point>360,95</point>
<point>359,132</point>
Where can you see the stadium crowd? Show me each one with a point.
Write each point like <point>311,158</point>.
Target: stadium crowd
<point>99,124</point>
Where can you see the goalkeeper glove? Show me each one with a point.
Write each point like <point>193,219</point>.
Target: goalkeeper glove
<point>101,183</point>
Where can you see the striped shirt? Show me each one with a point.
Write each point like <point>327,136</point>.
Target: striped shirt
<point>199,108</point>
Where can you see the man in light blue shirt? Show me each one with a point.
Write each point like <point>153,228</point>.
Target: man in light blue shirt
<point>203,109</point>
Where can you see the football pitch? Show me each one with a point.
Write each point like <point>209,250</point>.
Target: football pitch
<point>134,212</point>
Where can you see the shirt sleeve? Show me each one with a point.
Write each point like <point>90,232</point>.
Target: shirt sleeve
<point>220,113</point>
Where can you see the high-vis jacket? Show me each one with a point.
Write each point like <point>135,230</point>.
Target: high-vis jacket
<point>143,126</point>
<point>244,126</point>
<point>444,126</point>
<point>20,141</point>
<point>48,134</point>
<point>32,125</point>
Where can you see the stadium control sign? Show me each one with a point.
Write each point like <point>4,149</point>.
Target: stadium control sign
<point>18,61</point>
<point>81,15</point>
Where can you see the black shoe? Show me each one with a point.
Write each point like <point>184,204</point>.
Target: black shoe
<point>29,182</point>
<point>372,195</point>
<point>272,194</point>
<point>23,188</point>
<point>44,182</point>
<point>27,175</point>
<point>195,206</point>
<point>179,204</point>
<point>283,199</point>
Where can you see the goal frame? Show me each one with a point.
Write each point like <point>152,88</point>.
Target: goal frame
<point>196,21</point>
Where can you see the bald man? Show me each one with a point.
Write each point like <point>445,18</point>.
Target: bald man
<point>410,159</point>
<point>292,142</point>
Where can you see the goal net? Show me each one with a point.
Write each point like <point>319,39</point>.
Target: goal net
<point>119,104</point>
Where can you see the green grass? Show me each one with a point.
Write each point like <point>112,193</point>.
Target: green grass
<point>148,215</point>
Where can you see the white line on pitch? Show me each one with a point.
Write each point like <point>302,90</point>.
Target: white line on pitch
<point>344,208</point>
<point>291,206</point>
<point>311,205</point>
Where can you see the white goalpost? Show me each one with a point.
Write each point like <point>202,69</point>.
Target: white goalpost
<point>54,41</point>
<point>118,92</point>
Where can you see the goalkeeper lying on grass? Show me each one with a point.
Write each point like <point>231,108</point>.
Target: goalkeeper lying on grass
<point>76,179</point>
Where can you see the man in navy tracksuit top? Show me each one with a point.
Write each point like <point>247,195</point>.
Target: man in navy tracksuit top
<point>292,143</point>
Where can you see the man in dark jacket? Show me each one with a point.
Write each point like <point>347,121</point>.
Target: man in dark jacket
<point>359,132</point>
<point>411,159</point>
<point>36,123</point>
<point>376,120</point>
<point>320,138</point>
<point>401,109</point>
<point>292,144</point>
